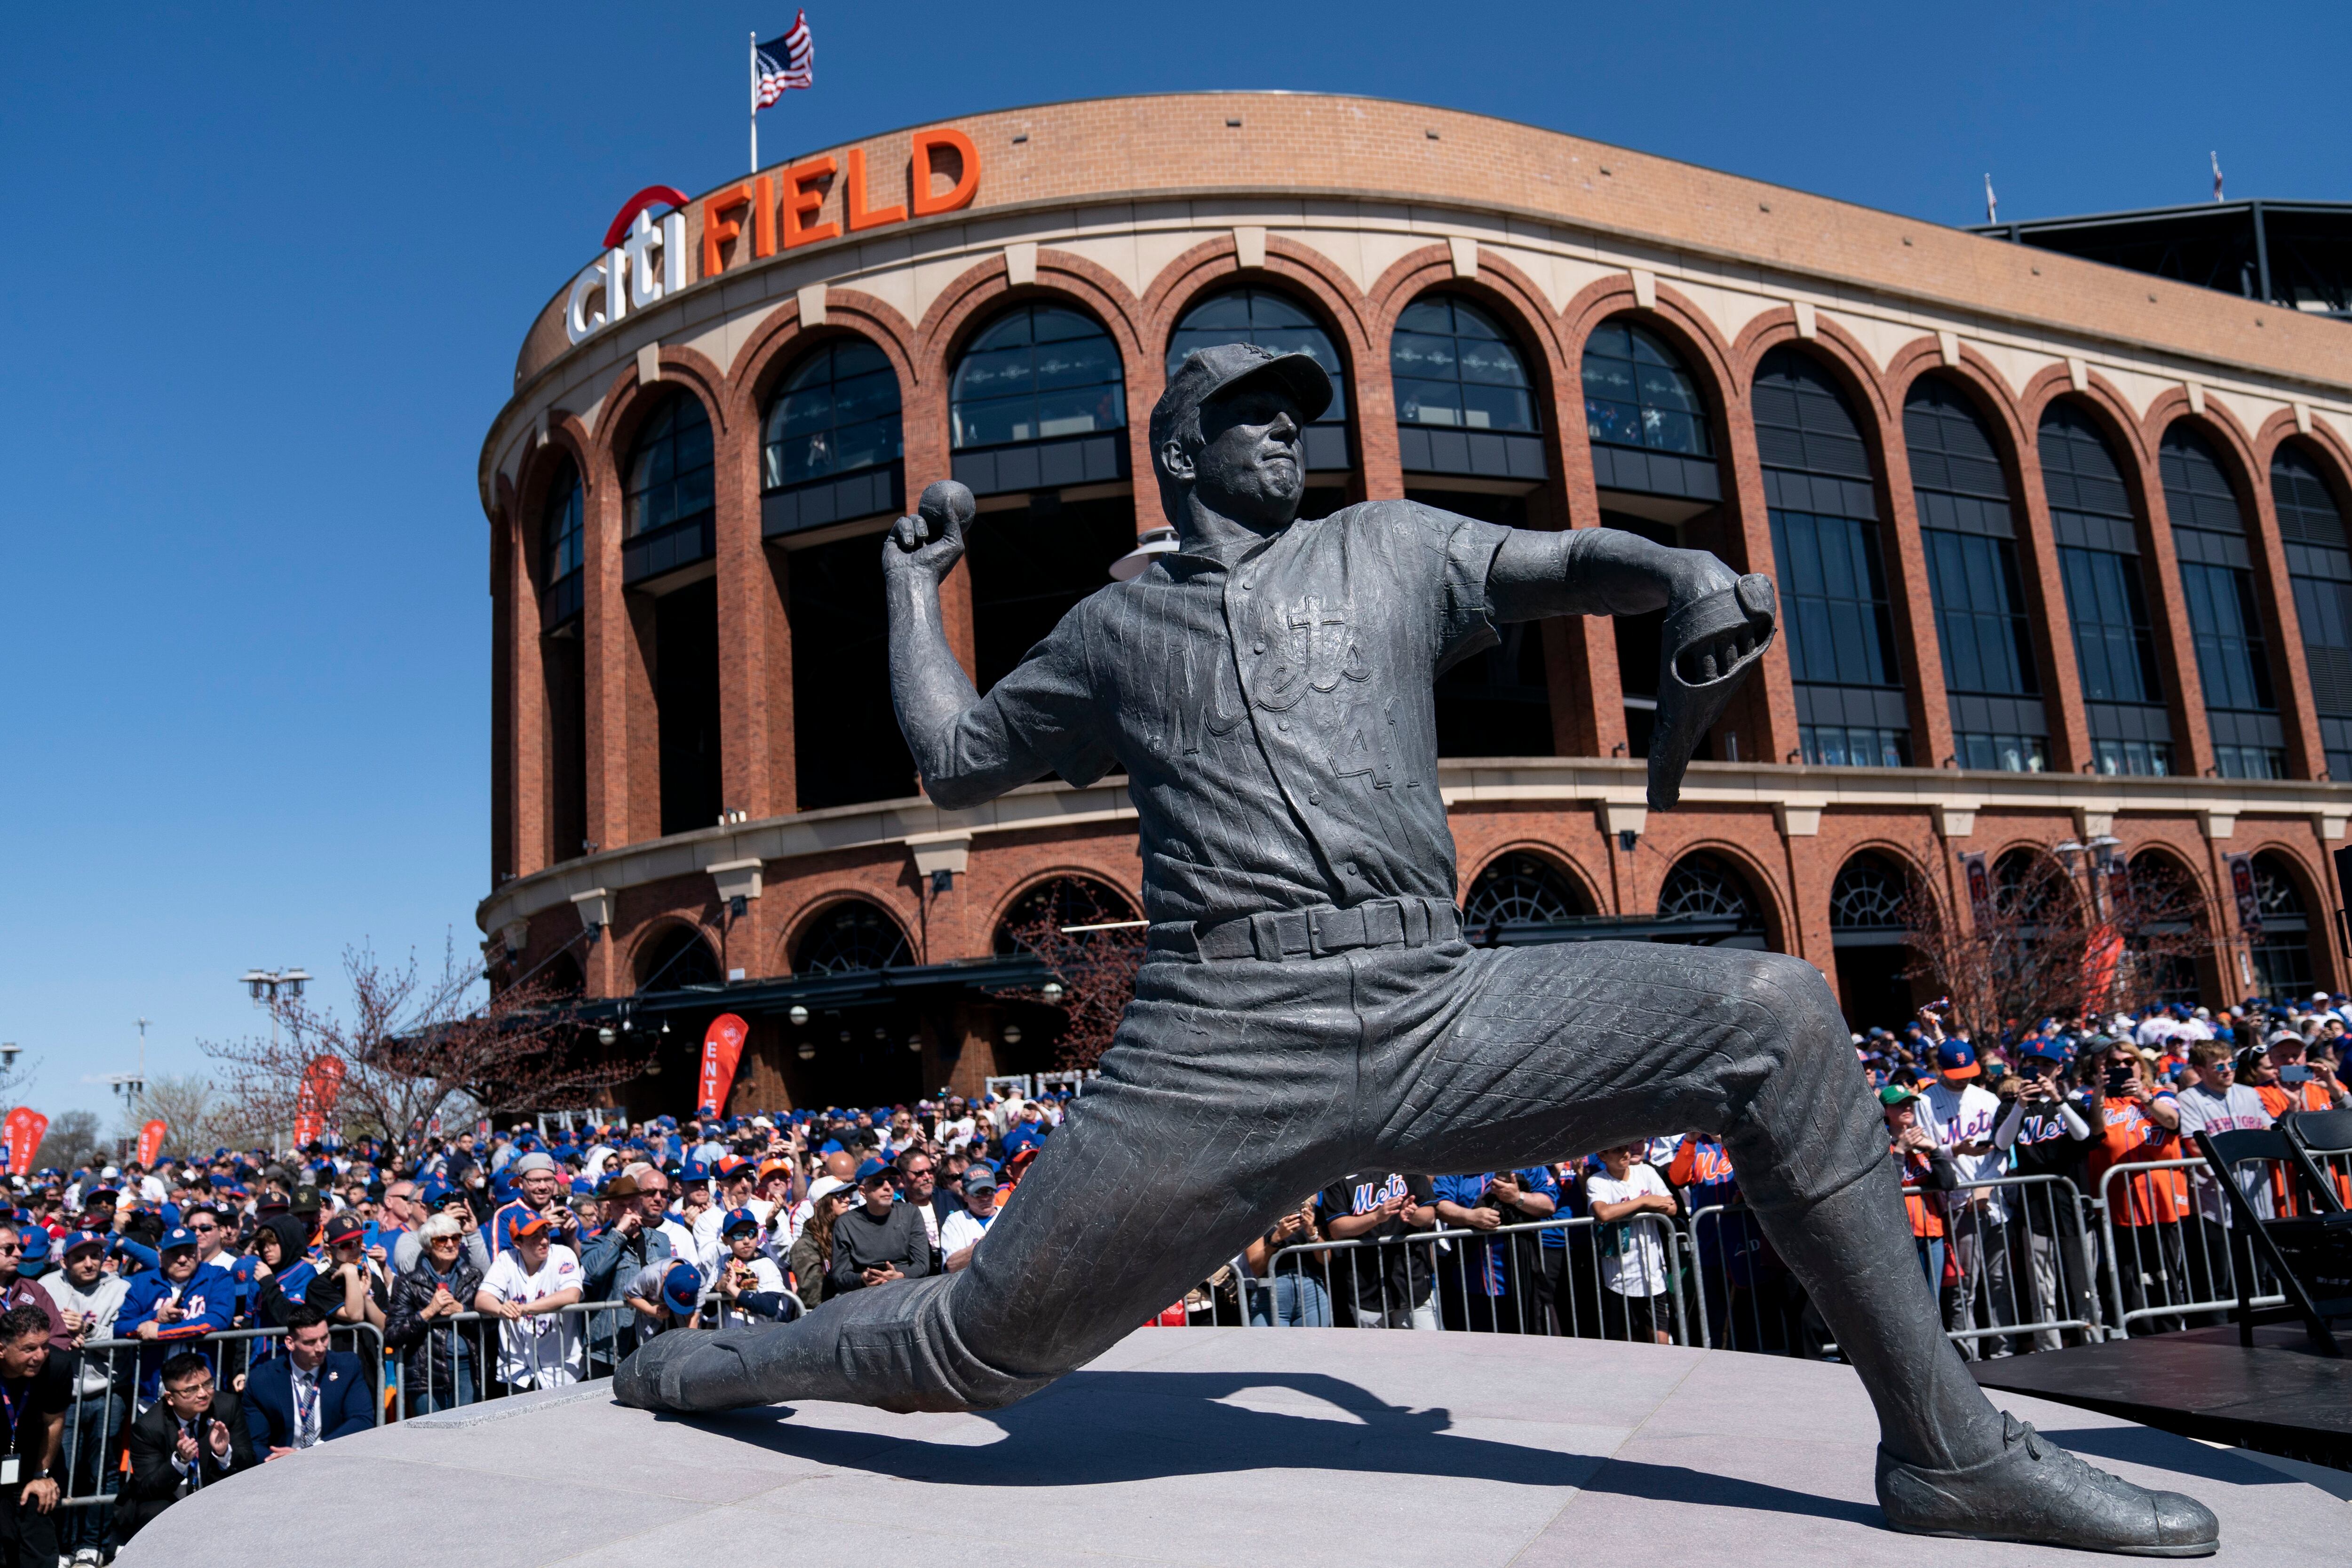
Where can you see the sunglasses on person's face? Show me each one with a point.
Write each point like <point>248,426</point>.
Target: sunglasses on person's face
<point>203,1225</point>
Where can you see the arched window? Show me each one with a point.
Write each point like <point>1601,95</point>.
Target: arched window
<point>1456,369</point>
<point>2282,950</point>
<point>1712,903</point>
<point>2319,565</point>
<point>2098,556</point>
<point>669,499</point>
<point>1036,372</point>
<point>1069,904</point>
<point>852,934</point>
<point>1823,509</point>
<point>561,534</point>
<point>1261,316</point>
<point>1637,394</point>
<point>2163,911</point>
<point>670,471</point>
<point>1519,892</point>
<point>676,959</point>
<point>561,526</point>
<point>1870,912</point>
<point>2209,534</point>
<point>1868,903</point>
<point>1965,523</point>
<point>830,445</point>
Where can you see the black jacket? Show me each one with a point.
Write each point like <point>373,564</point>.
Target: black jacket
<point>153,1482</point>
<point>429,1357</point>
<point>861,1242</point>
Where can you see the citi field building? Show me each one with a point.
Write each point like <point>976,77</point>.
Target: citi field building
<point>2061,548</point>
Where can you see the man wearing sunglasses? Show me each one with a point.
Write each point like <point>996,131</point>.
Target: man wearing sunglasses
<point>17,1291</point>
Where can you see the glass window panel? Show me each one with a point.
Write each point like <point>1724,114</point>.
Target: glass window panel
<point>1039,372</point>
<point>1052,324</point>
<point>846,385</point>
<point>1447,342</point>
<point>669,474</point>
<point>1625,366</point>
<point>1840,631</point>
<point>1429,402</point>
<point>1427,316</point>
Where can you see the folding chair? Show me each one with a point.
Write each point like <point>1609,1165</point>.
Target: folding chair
<point>2312,1136</point>
<point>2310,1256</point>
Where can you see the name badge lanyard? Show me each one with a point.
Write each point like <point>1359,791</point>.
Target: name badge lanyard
<point>10,1465</point>
<point>305,1411</point>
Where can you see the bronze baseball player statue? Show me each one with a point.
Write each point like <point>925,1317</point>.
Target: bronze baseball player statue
<point>1308,1005</point>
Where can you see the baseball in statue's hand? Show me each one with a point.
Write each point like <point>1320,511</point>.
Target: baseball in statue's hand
<point>931,542</point>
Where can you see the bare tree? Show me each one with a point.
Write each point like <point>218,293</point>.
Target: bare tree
<point>199,1119</point>
<point>417,1045</point>
<point>2041,946</point>
<point>71,1140</point>
<point>1096,971</point>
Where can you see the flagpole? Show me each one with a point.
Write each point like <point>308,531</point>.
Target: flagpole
<point>754,48</point>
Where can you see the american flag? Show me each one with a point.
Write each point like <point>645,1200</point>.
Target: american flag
<point>788,62</point>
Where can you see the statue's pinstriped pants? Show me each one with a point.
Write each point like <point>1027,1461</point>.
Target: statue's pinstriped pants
<point>1236,1087</point>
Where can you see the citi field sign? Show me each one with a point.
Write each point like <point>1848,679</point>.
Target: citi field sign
<point>647,259</point>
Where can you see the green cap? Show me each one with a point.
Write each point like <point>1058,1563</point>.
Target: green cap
<point>1894,1094</point>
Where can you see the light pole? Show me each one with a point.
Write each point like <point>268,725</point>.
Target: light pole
<point>132,1085</point>
<point>263,986</point>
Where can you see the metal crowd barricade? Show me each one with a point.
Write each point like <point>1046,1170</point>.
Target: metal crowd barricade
<point>1513,1279</point>
<point>2023,1257</point>
<point>2165,1269</point>
<point>467,1358</point>
<point>107,1375</point>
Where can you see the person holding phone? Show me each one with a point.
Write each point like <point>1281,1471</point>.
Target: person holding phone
<point>2139,1121</point>
<point>2048,1133</point>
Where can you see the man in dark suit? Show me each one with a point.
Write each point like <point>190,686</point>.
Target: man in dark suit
<point>311,1394</point>
<point>195,1437</point>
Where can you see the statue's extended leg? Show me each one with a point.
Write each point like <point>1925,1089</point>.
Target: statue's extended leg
<point>1202,1130</point>
<point>1636,1040</point>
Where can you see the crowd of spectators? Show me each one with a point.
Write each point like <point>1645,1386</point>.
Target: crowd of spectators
<point>162,1330</point>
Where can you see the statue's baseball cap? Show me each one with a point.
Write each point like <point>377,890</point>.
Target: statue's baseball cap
<point>1219,367</point>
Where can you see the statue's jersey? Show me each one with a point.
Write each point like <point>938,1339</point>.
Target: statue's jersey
<point>1273,713</point>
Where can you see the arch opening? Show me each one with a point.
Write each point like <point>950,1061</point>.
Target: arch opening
<point>2092,522</point>
<point>1467,433</point>
<point>669,512</point>
<point>2319,568</point>
<point>1870,914</point>
<point>831,441</point>
<point>676,959</point>
<point>1712,903</point>
<point>1522,896</point>
<point>561,664</point>
<point>1968,528</point>
<point>2225,618</point>
<point>1822,500</point>
<point>2282,947</point>
<point>1655,473</point>
<point>1037,410</point>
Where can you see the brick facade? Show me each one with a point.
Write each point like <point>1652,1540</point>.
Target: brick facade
<point>1145,207</point>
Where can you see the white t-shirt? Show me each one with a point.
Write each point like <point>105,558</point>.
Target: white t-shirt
<point>1635,1265</point>
<point>1967,1117</point>
<point>542,1350</point>
<point>960,1230</point>
<point>2202,1111</point>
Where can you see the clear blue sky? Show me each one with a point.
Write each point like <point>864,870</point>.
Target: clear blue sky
<point>269,268</point>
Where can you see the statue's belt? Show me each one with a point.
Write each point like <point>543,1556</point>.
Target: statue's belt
<point>1280,934</point>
